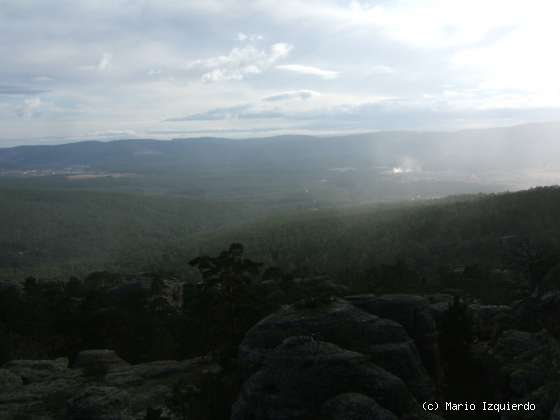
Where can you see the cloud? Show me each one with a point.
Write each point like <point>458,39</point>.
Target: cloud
<point>382,114</point>
<point>226,131</point>
<point>29,108</point>
<point>111,133</point>
<point>381,69</point>
<point>240,62</point>
<point>309,70</point>
<point>20,90</point>
<point>273,106</point>
<point>214,114</point>
<point>105,62</point>
<point>242,37</point>
<point>238,112</point>
<point>290,95</point>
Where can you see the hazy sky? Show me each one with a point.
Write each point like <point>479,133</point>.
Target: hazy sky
<point>79,69</point>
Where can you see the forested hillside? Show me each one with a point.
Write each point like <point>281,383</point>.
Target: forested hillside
<point>421,243</point>
<point>59,233</point>
<point>52,233</point>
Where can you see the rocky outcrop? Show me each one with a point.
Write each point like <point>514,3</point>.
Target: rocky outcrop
<point>555,415</point>
<point>99,403</point>
<point>415,315</point>
<point>9,380</point>
<point>527,360</point>
<point>302,374</point>
<point>536,313</point>
<point>524,366</point>
<point>384,341</point>
<point>489,321</point>
<point>98,361</point>
<point>46,386</point>
<point>49,389</point>
<point>352,406</point>
<point>33,371</point>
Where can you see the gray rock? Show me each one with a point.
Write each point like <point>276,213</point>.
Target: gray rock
<point>353,406</point>
<point>95,362</point>
<point>524,367</point>
<point>301,374</point>
<point>489,320</point>
<point>438,310</point>
<point>555,414</point>
<point>99,403</point>
<point>32,371</point>
<point>527,360</point>
<point>9,380</point>
<point>149,384</point>
<point>415,315</point>
<point>43,397</point>
<point>50,385</point>
<point>384,341</point>
<point>321,285</point>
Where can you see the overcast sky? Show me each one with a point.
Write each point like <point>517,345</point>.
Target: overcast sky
<point>81,69</point>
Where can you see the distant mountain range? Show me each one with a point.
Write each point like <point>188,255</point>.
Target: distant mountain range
<point>511,149</point>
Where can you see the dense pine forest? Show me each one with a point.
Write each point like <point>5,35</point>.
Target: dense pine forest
<point>424,243</point>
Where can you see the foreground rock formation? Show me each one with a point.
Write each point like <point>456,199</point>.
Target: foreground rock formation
<point>301,357</point>
<point>357,358</point>
<point>303,377</point>
<point>49,389</point>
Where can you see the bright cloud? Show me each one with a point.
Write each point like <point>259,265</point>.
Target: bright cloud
<point>29,108</point>
<point>105,62</point>
<point>291,95</point>
<point>309,70</point>
<point>240,62</point>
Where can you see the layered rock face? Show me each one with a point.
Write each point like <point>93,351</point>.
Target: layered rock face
<point>301,359</point>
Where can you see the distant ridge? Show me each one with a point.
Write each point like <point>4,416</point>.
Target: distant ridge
<point>516,148</point>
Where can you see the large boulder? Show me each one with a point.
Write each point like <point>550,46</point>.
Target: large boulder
<point>301,374</point>
<point>99,403</point>
<point>386,342</point>
<point>352,406</point>
<point>415,315</point>
<point>98,362</point>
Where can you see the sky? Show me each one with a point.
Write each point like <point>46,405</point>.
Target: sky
<point>74,70</point>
